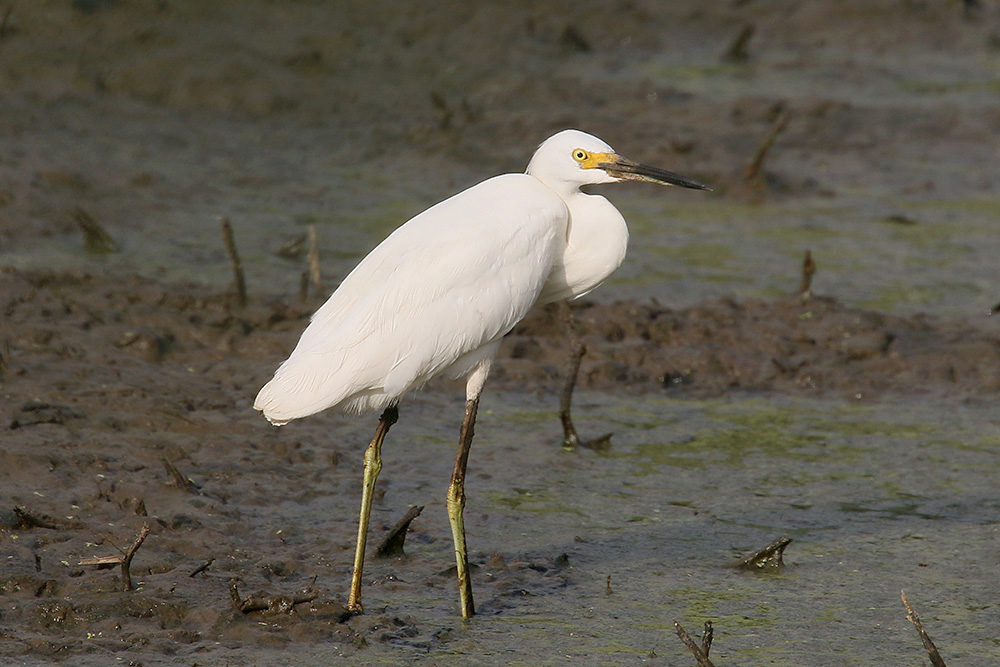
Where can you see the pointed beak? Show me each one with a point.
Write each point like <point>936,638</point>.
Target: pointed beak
<point>627,170</point>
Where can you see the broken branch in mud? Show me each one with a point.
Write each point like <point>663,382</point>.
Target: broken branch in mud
<point>202,568</point>
<point>699,653</point>
<point>392,545</point>
<point>30,519</point>
<point>706,638</point>
<point>125,559</point>
<point>315,277</point>
<point>912,617</point>
<point>737,51</point>
<point>230,243</point>
<point>770,556</point>
<point>177,478</point>
<point>277,604</point>
<point>808,270</point>
<point>304,287</point>
<point>101,561</point>
<point>755,167</point>
<point>577,350</point>
<point>4,20</point>
<point>95,239</point>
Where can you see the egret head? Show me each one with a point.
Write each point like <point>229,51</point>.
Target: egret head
<point>572,158</point>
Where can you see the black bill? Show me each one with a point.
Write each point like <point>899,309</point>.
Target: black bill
<point>633,171</point>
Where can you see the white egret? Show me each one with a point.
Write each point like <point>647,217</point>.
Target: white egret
<point>439,294</point>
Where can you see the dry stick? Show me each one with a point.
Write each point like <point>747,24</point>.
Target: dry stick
<point>177,478</point>
<point>911,616</point>
<point>101,560</point>
<point>127,559</point>
<point>3,21</point>
<point>570,438</point>
<point>201,568</point>
<point>313,258</point>
<point>706,638</point>
<point>699,654</point>
<point>808,269</point>
<point>769,556</point>
<point>95,238</point>
<point>754,168</point>
<point>737,51</point>
<point>230,242</point>
<point>304,287</point>
<point>4,356</point>
<point>275,603</point>
<point>392,545</point>
<point>31,519</point>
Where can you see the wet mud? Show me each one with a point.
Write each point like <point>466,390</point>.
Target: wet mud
<point>128,405</point>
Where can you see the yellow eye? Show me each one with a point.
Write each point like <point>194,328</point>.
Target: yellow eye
<point>580,155</point>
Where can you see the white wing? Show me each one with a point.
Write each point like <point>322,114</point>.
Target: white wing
<point>455,278</point>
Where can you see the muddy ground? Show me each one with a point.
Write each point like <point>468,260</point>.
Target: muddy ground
<point>152,117</point>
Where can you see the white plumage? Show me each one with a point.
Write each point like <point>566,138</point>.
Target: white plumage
<point>453,279</point>
<point>451,282</point>
<point>438,295</point>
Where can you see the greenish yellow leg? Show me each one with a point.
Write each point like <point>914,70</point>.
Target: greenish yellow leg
<point>456,506</point>
<point>373,465</point>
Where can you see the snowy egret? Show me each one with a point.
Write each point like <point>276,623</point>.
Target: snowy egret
<point>439,294</point>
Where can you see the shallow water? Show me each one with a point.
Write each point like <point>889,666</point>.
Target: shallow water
<point>877,498</point>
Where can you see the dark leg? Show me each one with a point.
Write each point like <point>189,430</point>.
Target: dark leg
<point>373,464</point>
<point>456,506</point>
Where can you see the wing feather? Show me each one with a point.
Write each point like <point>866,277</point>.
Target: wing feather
<point>455,278</point>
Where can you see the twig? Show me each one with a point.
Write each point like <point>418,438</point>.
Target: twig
<point>177,478</point>
<point>770,556</point>
<point>755,166</point>
<point>313,258</point>
<point>737,51</point>
<point>127,559</point>
<point>577,350</point>
<point>304,287</point>
<point>30,519</point>
<point>808,269</point>
<point>912,617</point>
<point>101,560</point>
<point>3,21</point>
<point>273,604</point>
<point>392,545</point>
<point>706,638</point>
<point>201,568</point>
<point>234,256</point>
<point>95,238</point>
<point>444,112</point>
<point>699,654</point>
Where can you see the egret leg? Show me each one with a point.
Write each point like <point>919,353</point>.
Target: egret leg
<point>373,464</point>
<point>577,349</point>
<point>456,507</point>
